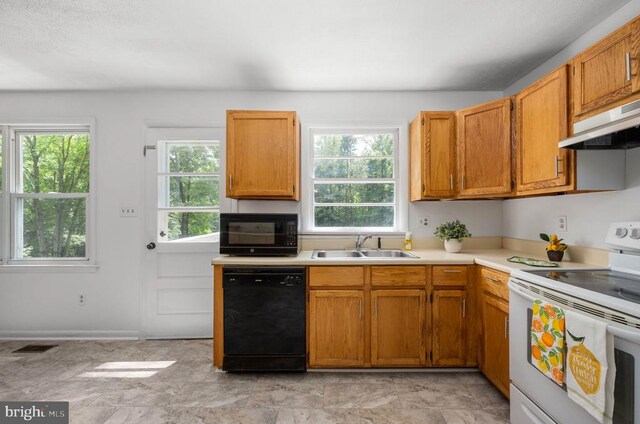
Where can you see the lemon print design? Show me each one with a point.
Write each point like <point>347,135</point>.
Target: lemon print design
<point>585,367</point>
<point>547,340</point>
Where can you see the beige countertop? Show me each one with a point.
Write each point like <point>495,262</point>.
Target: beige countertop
<point>493,258</point>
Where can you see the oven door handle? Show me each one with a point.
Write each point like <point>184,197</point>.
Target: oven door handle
<point>632,336</point>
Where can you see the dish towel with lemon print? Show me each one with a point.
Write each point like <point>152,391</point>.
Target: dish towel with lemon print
<point>591,368</point>
<point>547,340</point>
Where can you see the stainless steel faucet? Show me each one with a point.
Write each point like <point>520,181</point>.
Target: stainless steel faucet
<point>360,239</point>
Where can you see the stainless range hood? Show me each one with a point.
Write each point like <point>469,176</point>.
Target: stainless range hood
<point>617,128</point>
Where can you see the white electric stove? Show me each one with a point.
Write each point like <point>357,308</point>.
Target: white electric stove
<point>611,295</point>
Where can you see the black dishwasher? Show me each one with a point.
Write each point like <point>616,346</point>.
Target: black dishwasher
<point>264,318</point>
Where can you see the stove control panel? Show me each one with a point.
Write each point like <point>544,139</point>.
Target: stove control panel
<point>624,236</point>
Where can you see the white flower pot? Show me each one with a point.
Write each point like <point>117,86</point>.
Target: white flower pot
<point>453,246</point>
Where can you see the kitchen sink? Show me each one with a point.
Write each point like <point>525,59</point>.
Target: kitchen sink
<point>387,254</point>
<point>363,254</point>
<point>317,254</point>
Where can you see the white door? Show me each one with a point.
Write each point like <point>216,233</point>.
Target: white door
<point>184,197</point>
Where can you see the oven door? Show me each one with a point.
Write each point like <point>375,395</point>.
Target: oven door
<point>548,396</point>
<point>257,234</point>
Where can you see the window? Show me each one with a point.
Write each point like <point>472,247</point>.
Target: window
<point>49,190</point>
<point>354,176</point>
<point>188,190</point>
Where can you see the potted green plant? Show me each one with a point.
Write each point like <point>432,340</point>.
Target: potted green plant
<point>555,247</point>
<point>452,233</point>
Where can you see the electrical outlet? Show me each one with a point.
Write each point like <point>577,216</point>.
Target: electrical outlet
<point>424,221</point>
<point>82,300</point>
<point>562,224</point>
<point>128,210</point>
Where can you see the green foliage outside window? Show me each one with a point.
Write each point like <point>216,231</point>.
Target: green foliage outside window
<point>369,202</point>
<point>54,163</point>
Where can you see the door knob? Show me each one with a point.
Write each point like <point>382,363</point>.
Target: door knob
<point>151,246</point>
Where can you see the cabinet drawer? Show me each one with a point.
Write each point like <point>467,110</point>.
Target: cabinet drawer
<point>454,275</point>
<point>336,276</point>
<point>495,282</point>
<point>398,275</point>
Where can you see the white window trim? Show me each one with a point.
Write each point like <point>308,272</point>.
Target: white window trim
<point>400,172</point>
<point>10,173</point>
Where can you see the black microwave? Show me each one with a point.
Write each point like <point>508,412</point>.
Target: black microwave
<point>258,234</point>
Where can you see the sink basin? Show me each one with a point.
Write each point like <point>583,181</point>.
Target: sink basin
<point>387,254</point>
<point>335,254</point>
<point>364,254</point>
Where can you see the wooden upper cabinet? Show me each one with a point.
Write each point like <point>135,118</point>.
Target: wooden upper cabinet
<point>484,150</point>
<point>263,155</point>
<point>398,328</point>
<point>607,72</point>
<point>448,336</point>
<point>432,145</point>
<point>542,121</point>
<point>336,328</point>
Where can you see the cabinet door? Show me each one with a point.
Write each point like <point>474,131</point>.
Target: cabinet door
<point>495,326</point>
<point>398,328</point>
<point>433,155</point>
<point>484,150</point>
<point>448,332</point>
<point>542,121</point>
<point>263,159</point>
<point>336,328</point>
<point>608,71</point>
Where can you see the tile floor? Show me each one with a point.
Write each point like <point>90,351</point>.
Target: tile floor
<point>134,385</point>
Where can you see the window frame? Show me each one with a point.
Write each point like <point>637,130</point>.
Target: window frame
<point>12,175</point>
<point>398,130</point>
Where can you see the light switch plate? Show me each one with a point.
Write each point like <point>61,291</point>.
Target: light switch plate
<point>128,210</point>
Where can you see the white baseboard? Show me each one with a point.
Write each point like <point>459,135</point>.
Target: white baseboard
<point>70,335</point>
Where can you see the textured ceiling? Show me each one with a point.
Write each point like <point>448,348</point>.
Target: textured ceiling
<point>284,44</point>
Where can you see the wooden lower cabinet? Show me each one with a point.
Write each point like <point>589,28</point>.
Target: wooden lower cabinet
<point>336,328</point>
<point>495,326</point>
<point>448,328</point>
<point>398,328</point>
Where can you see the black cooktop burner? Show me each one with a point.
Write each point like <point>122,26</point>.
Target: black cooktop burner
<point>611,283</point>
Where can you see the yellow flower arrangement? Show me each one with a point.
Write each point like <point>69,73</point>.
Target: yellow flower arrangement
<point>555,244</point>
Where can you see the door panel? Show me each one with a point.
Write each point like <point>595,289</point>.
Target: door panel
<point>495,327</point>
<point>440,153</point>
<point>484,146</point>
<point>607,72</point>
<point>397,328</point>
<point>176,299</point>
<point>336,328</point>
<point>263,154</point>
<point>542,122</point>
<point>448,333</point>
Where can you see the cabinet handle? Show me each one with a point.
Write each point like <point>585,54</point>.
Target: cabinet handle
<point>506,327</point>
<point>424,190</point>
<point>492,279</point>
<point>451,271</point>
<point>557,170</point>
<point>627,62</point>
<point>463,182</point>
<point>375,308</point>
<point>230,181</point>
<point>360,308</point>
<point>451,181</point>
<point>464,308</point>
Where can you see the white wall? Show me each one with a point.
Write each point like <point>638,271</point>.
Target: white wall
<point>588,215</point>
<point>46,303</point>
